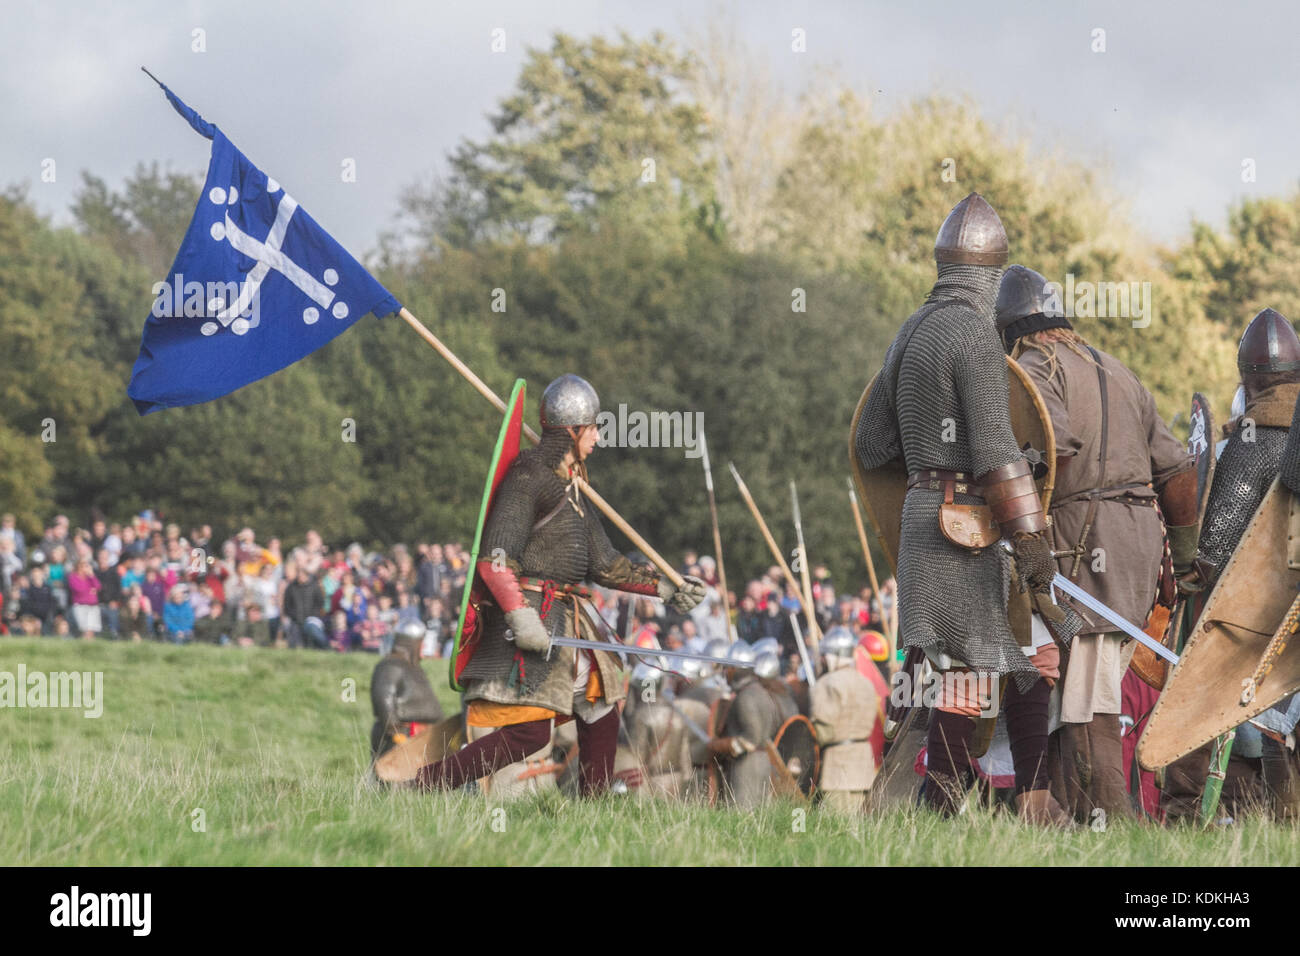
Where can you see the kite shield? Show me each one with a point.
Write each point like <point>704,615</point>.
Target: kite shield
<point>506,451</point>
<point>1239,659</point>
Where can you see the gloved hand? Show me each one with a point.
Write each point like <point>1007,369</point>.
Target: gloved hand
<point>1034,561</point>
<point>530,633</point>
<point>683,599</point>
<point>1182,546</point>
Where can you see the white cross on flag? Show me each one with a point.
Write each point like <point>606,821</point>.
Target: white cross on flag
<point>256,286</point>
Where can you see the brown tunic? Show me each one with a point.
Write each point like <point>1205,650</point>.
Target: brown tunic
<point>1141,453</point>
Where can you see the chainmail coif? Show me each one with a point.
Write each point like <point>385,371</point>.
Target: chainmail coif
<point>949,411</point>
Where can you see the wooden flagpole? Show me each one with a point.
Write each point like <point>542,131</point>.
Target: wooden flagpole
<point>644,546</point>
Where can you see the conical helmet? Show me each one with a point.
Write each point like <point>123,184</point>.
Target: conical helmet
<point>1268,345</point>
<point>972,235</point>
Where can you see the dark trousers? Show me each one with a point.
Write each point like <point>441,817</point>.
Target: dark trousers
<point>949,769</point>
<point>597,743</point>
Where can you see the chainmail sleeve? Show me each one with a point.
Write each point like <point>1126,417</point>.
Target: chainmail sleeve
<point>1290,470</point>
<point>1241,479</point>
<point>877,440</point>
<point>980,377</point>
<point>609,568</point>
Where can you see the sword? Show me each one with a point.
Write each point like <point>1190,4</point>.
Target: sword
<point>1127,626</point>
<point>644,652</point>
<point>1092,604</point>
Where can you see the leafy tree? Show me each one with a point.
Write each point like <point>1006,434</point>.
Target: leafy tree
<point>587,123</point>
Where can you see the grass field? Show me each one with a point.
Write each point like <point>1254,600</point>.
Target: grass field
<point>210,755</point>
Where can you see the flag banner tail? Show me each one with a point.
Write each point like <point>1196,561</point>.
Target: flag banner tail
<point>256,286</point>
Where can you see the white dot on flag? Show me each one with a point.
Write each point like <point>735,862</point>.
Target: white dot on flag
<point>234,195</point>
<point>331,277</point>
<point>239,326</point>
<point>217,195</point>
<point>271,185</point>
<point>310,314</point>
<point>209,328</point>
<point>340,310</point>
<point>218,231</point>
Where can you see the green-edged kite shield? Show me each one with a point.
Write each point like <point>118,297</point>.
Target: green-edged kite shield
<point>506,451</point>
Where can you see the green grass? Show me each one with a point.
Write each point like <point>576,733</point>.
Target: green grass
<point>264,743</point>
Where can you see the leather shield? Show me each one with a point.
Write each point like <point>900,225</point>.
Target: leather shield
<point>1203,697</point>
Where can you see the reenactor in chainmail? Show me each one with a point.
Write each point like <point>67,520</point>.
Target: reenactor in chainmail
<point>400,693</point>
<point>940,404</point>
<point>658,735</point>
<point>844,708</point>
<point>758,709</point>
<point>1278,723</point>
<point>1268,359</point>
<point>699,687</point>
<point>1123,484</point>
<point>541,541</point>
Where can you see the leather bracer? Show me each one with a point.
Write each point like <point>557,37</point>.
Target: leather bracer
<point>1013,499</point>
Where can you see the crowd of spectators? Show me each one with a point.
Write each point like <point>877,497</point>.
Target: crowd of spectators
<point>144,580</point>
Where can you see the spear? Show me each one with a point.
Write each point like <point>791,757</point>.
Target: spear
<point>767,536</point>
<point>644,546</point>
<point>891,628</point>
<point>717,535</point>
<point>805,579</point>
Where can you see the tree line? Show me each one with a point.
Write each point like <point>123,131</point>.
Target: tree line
<point>663,221</point>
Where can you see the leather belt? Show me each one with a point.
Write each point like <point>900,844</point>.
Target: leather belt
<point>542,585</point>
<point>949,482</point>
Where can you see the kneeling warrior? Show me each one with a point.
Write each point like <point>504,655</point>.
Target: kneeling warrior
<point>543,539</point>
<point>400,693</point>
<point>940,405</point>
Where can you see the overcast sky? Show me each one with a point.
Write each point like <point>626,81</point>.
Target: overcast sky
<point>1184,92</point>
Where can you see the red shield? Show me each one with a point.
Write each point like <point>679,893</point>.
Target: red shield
<point>506,451</point>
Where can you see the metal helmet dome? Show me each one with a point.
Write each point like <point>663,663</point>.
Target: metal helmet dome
<point>839,642</point>
<point>569,402</point>
<point>767,664</point>
<point>741,652</point>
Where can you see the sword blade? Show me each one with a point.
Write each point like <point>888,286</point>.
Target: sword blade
<point>645,652</point>
<point>1125,625</point>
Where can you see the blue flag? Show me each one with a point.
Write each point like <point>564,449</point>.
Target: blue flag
<point>256,286</point>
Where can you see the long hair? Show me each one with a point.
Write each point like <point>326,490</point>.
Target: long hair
<point>1046,342</point>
